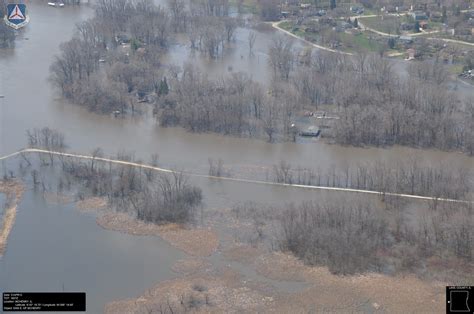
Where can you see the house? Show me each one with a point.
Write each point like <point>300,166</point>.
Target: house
<point>311,29</point>
<point>410,55</point>
<point>436,17</point>
<point>391,9</point>
<point>357,10</point>
<point>406,39</point>
<point>346,25</point>
<point>327,21</point>
<point>420,6</point>
<point>305,5</point>
<point>419,15</point>
<point>407,26</point>
<point>122,39</point>
<point>424,25</point>
<point>321,13</point>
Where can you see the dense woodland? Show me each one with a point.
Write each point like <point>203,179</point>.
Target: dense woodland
<point>377,105</point>
<point>412,176</point>
<point>355,236</point>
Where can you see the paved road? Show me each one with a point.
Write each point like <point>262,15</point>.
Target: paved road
<point>276,25</point>
<point>422,33</point>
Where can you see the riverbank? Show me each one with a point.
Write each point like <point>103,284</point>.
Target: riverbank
<point>224,289</point>
<point>193,241</point>
<point>13,191</point>
<point>235,277</point>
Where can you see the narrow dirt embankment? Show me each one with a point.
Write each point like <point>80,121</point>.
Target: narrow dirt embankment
<point>239,180</point>
<point>13,191</point>
<point>193,241</point>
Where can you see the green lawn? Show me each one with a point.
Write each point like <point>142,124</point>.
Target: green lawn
<point>360,42</point>
<point>455,68</point>
<point>287,25</point>
<point>389,24</point>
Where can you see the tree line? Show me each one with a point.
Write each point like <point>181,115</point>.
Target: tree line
<point>411,176</point>
<point>377,106</point>
<point>356,237</point>
<point>148,195</point>
<point>156,198</point>
<point>234,105</point>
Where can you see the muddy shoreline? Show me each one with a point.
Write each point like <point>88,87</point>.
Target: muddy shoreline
<point>203,286</point>
<point>13,191</point>
<point>193,241</point>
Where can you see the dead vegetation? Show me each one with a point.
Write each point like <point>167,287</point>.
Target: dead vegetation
<point>13,191</point>
<point>191,266</point>
<point>92,203</point>
<point>223,290</point>
<point>357,237</point>
<point>193,241</point>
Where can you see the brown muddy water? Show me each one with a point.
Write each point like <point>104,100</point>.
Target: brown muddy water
<point>53,247</point>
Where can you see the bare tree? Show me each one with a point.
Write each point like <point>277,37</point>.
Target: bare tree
<point>281,57</point>
<point>251,41</point>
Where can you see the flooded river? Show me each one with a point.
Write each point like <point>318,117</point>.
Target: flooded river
<point>53,247</point>
<point>57,248</point>
<point>31,102</point>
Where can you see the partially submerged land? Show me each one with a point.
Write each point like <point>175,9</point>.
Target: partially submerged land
<point>13,190</point>
<point>372,100</point>
<point>378,253</point>
<point>193,241</point>
<point>225,290</point>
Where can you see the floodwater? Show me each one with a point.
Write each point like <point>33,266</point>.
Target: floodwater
<point>56,248</point>
<point>31,102</point>
<point>2,205</point>
<point>53,247</point>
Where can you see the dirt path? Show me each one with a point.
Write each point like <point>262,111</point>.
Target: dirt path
<point>240,180</point>
<point>13,191</point>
